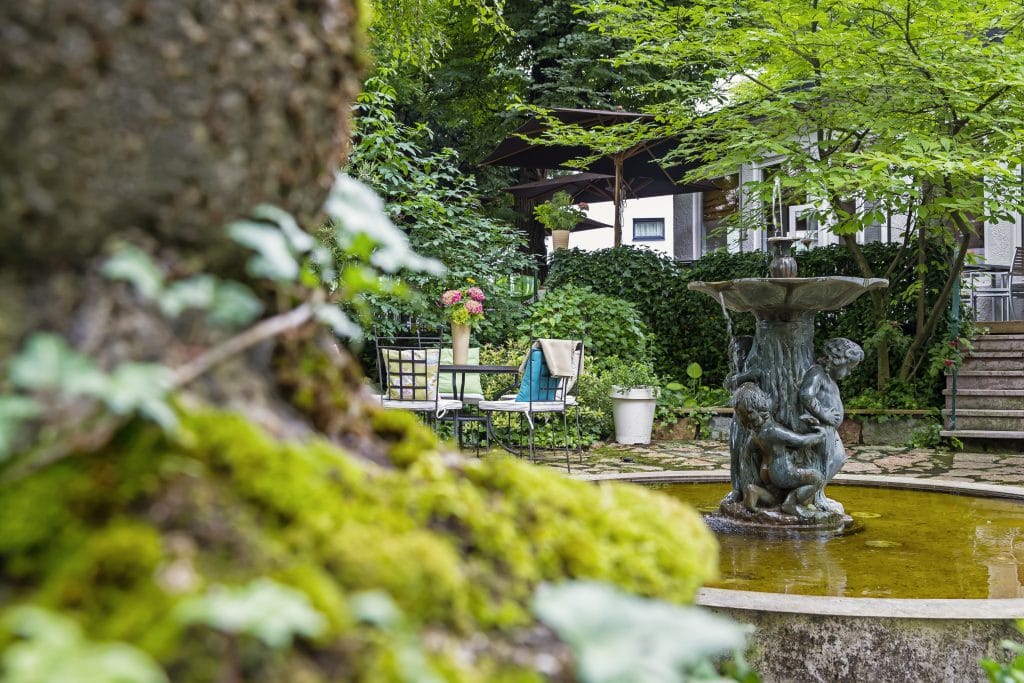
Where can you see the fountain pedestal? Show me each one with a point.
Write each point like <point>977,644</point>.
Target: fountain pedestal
<point>784,446</point>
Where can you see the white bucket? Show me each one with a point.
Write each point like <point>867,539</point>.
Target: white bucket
<point>633,411</point>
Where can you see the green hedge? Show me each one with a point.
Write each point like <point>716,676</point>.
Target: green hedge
<point>689,326</point>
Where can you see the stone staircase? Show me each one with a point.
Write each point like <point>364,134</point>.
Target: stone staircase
<point>989,392</point>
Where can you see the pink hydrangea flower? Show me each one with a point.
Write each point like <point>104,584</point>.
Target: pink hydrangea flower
<point>475,293</point>
<point>474,307</point>
<point>451,297</point>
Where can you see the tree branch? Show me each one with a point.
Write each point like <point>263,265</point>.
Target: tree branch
<point>266,329</point>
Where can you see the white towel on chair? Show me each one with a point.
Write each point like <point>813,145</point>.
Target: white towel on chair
<point>558,354</point>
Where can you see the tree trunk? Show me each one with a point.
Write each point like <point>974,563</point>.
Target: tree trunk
<point>157,121</point>
<point>165,118</point>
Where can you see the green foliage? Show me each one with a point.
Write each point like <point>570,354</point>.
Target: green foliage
<point>48,647</point>
<point>48,365</point>
<point>558,213</point>
<point>619,637</point>
<point>689,327</point>
<point>1008,672</point>
<point>632,375</point>
<point>226,303</point>
<point>911,113</point>
<point>609,327</point>
<point>689,400</point>
<point>106,537</point>
<point>246,610</point>
<point>437,206</point>
<point>686,326</point>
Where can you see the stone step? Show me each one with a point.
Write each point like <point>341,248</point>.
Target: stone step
<point>988,379</point>
<point>981,434</point>
<point>999,342</point>
<point>994,360</point>
<point>995,399</point>
<point>980,418</point>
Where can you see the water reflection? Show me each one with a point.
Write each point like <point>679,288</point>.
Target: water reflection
<point>914,544</point>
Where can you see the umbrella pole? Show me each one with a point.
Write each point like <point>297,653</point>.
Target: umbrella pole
<point>617,159</point>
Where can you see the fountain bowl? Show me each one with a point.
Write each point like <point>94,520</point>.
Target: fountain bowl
<point>778,295</point>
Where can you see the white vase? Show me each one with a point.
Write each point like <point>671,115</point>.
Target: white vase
<point>560,239</point>
<point>460,343</point>
<point>633,411</point>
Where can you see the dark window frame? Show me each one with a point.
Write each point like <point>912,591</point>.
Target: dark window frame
<point>648,238</point>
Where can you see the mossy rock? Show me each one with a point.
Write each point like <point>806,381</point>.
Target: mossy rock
<point>118,538</point>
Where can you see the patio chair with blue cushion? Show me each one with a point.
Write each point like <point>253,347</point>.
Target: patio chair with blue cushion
<point>408,371</point>
<point>550,372</point>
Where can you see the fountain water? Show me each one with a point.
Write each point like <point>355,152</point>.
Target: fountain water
<point>784,444</point>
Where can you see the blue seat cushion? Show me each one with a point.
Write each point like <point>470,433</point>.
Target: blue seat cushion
<point>537,384</point>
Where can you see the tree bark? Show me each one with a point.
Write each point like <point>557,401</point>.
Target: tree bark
<point>156,122</point>
<point>165,117</point>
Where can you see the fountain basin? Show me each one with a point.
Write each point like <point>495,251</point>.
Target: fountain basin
<point>766,296</point>
<point>828,638</point>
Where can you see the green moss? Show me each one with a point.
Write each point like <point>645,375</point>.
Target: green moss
<point>460,548</point>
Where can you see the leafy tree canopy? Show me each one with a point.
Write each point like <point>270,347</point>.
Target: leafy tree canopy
<point>910,109</point>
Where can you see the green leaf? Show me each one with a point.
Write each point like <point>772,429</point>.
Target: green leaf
<point>47,362</point>
<point>234,305</point>
<point>357,210</point>
<point>340,323</point>
<point>133,265</point>
<point>267,610</point>
<point>48,647</point>
<point>619,637</point>
<point>694,371</point>
<point>194,292</point>
<point>299,240</point>
<point>141,387</point>
<point>274,259</point>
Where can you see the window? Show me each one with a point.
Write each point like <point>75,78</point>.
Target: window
<point>648,229</point>
<point>719,206</point>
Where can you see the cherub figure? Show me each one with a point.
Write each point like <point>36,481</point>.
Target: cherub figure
<point>776,447</point>
<point>820,399</point>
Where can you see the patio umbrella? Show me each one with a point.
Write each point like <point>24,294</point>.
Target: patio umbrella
<point>600,187</point>
<point>637,161</point>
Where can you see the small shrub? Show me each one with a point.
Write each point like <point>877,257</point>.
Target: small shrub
<point>608,326</point>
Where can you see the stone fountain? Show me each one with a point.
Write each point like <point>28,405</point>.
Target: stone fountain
<point>784,445</point>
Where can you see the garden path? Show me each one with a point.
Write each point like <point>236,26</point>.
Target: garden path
<point>904,461</point>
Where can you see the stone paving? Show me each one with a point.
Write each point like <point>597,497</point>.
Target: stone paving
<point>904,461</point>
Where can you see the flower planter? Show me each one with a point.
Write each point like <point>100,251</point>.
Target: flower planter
<point>560,239</point>
<point>633,411</point>
<point>460,344</point>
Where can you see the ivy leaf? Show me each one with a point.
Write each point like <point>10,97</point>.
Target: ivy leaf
<point>272,612</point>
<point>234,305</point>
<point>299,240</point>
<point>47,362</point>
<point>50,647</point>
<point>13,411</point>
<point>274,260</point>
<point>141,387</point>
<point>340,323</point>
<point>619,637</point>
<point>133,265</point>
<point>194,292</point>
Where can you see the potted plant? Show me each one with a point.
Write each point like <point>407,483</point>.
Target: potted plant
<point>560,216</point>
<point>634,394</point>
